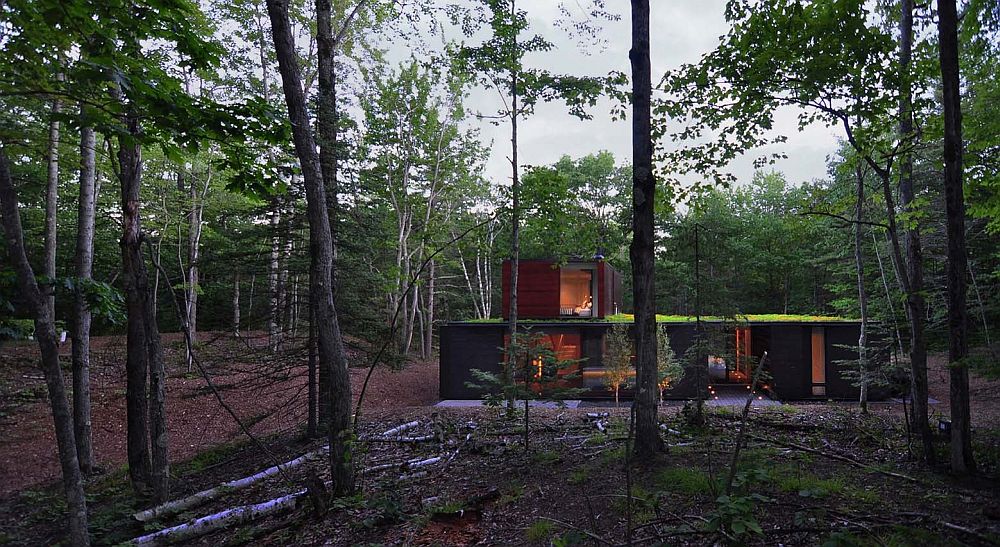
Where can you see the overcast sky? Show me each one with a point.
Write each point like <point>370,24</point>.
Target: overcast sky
<point>681,31</point>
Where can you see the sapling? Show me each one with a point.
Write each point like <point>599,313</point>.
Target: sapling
<point>618,352</point>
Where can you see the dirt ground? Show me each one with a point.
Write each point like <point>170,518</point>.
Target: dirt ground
<point>810,474</point>
<point>269,403</point>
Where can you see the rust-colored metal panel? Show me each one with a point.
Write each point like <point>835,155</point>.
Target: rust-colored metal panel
<point>537,289</point>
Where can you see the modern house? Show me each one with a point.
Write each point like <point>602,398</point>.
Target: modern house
<point>575,304</point>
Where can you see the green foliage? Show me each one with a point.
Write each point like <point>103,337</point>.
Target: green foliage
<point>685,480</point>
<point>539,531</point>
<point>668,368</point>
<point>734,517</point>
<point>618,353</point>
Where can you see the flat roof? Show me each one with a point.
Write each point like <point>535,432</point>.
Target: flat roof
<point>753,319</point>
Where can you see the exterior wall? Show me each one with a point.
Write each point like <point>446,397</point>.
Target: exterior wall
<point>538,289</point>
<point>467,346</point>
<point>789,361</point>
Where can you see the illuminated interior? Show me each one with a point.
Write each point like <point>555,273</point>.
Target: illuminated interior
<point>737,369</point>
<point>566,348</point>
<point>576,292</point>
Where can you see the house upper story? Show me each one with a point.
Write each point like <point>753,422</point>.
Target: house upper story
<point>573,289</point>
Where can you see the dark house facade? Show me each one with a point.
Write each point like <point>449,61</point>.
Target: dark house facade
<point>803,357</point>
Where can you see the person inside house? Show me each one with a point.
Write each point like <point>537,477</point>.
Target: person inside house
<point>584,309</point>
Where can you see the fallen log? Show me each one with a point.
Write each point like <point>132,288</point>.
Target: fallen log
<point>223,519</point>
<point>420,439</point>
<point>194,500</point>
<point>397,430</point>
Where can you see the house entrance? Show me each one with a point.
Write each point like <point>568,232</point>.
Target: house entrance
<point>735,367</point>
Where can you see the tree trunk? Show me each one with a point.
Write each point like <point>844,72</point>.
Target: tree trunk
<point>859,263</point>
<point>52,205</point>
<point>429,332</point>
<point>515,228</point>
<point>236,303</point>
<point>47,344</point>
<point>962,460</point>
<point>311,421</point>
<point>136,283</point>
<point>331,345</point>
<point>194,248</point>
<point>157,408</point>
<point>913,275</point>
<point>273,283</point>
<point>647,434</point>
<point>84,262</point>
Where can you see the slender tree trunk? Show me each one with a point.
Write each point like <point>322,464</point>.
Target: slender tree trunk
<point>962,460</point>
<point>331,345</point>
<point>47,344</point>
<point>859,263</point>
<point>52,203</point>
<point>311,422</point>
<point>647,433</point>
<point>157,408</point>
<point>194,248</point>
<point>913,274</point>
<point>515,229</point>
<point>429,332</point>
<point>236,303</point>
<point>274,284</point>
<point>136,284</point>
<point>80,324</point>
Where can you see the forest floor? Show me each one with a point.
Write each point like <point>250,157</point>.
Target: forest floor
<point>809,473</point>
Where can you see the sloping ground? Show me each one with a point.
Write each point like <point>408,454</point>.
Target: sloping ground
<point>570,486</point>
<point>267,392</point>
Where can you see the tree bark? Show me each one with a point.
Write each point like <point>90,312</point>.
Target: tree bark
<point>84,262</point>
<point>962,460</point>
<point>429,332</point>
<point>859,263</point>
<point>52,204</point>
<point>331,345</point>
<point>913,271</point>
<point>47,344</point>
<point>236,303</point>
<point>273,283</point>
<point>647,434</point>
<point>136,283</point>
<point>515,229</point>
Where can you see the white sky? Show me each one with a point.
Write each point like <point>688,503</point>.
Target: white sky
<point>681,31</point>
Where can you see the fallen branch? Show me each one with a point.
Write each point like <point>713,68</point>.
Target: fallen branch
<point>837,457</point>
<point>404,466</point>
<point>971,532</point>
<point>194,500</point>
<point>395,432</point>
<point>223,519</point>
<point>420,439</point>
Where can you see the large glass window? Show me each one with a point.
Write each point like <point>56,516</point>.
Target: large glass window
<point>576,292</point>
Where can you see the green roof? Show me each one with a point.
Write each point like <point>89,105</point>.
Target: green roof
<point>660,318</point>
